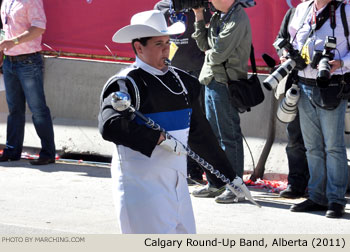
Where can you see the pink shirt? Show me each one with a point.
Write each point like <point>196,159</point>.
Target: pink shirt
<point>20,15</point>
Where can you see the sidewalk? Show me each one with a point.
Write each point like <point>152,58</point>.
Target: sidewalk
<point>83,137</point>
<point>77,199</point>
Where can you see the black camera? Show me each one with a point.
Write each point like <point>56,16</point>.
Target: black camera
<point>316,59</point>
<point>294,61</point>
<point>189,4</point>
<point>324,75</point>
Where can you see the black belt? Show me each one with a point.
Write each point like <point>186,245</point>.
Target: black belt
<point>335,79</point>
<point>20,57</point>
<point>307,81</point>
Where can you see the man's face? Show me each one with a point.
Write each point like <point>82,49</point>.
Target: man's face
<point>222,5</point>
<point>155,52</point>
<point>323,1</point>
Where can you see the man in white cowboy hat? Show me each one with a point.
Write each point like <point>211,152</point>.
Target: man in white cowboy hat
<point>148,173</point>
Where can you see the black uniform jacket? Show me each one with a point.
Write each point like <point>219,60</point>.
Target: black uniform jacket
<point>151,97</point>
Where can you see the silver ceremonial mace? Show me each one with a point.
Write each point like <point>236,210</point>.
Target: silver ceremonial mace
<point>121,101</point>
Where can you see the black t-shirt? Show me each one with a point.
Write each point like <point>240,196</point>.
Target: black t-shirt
<point>283,32</point>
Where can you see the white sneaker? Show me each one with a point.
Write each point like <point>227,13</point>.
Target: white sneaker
<point>229,197</point>
<point>207,191</point>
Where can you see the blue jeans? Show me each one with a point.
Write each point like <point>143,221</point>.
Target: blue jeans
<point>24,82</point>
<point>225,122</point>
<point>323,134</point>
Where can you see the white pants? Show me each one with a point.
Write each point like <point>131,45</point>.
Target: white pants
<point>151,199</point>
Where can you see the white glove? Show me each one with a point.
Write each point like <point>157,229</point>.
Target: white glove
<point>240,196</point>
<point>238,182</point>
<point>170,144</point>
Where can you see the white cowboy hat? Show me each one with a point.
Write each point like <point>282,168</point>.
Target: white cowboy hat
<point>147,24</point>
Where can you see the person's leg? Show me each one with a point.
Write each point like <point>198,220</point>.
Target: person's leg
<point>225,122</point>
<point>186,222</point>
<point>210,110</point>
<point>332,123</point>
<point>314,143</point>
<point>16,119</point>
<point>298,174</point>
<point>30,73</point>
<point>194,170</point>
<point>155,200</point>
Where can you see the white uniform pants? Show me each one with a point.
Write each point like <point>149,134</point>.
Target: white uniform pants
<point>152,200</point>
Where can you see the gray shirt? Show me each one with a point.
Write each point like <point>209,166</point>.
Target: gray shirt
<point>226,52</point>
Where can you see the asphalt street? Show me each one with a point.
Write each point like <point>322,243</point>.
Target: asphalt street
<point>74,198</point>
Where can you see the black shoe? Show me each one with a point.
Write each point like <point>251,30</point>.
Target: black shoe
<point>307,206</point>
<point>42,161</point>
<point>4,158</point>
<point>291,193</point>
<point>335,210</point>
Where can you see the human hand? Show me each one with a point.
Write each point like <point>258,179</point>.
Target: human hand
<point>238,182</point>
<point>198,12</point>
<point>283,59</point>
<point>335,64</point>
<point>6,45</point>
<point>170,144</point>
<point>161,138</point>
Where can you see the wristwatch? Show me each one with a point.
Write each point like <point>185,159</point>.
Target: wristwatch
<point>15,41</point>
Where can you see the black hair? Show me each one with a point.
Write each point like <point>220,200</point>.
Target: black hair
<point>143,42</point>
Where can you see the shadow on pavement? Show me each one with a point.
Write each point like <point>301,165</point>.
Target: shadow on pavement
<point>83,169</point>
<point>266,199</point>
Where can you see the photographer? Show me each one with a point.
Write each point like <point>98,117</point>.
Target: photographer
<point>298,175</point>
<point>226,43</point>
<point>321,110</point>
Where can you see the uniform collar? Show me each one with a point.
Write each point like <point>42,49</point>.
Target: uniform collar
<point>144,66</point>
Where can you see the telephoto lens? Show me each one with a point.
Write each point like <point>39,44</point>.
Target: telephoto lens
<point>294,61</point>
<point>189,4</point>
<point>324,69</point>
<point>324,75</point>
<point>282,71</point>
<point>287,110</point>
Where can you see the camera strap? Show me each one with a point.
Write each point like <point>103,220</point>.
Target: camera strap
<point>305,15</point>
<point>333,5</point>
<point>345,24</point>
<point>225,18</point>
<point>317,22</point>
<point>328,12</point>
<point>252,61</point>
<point>301,24</point>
